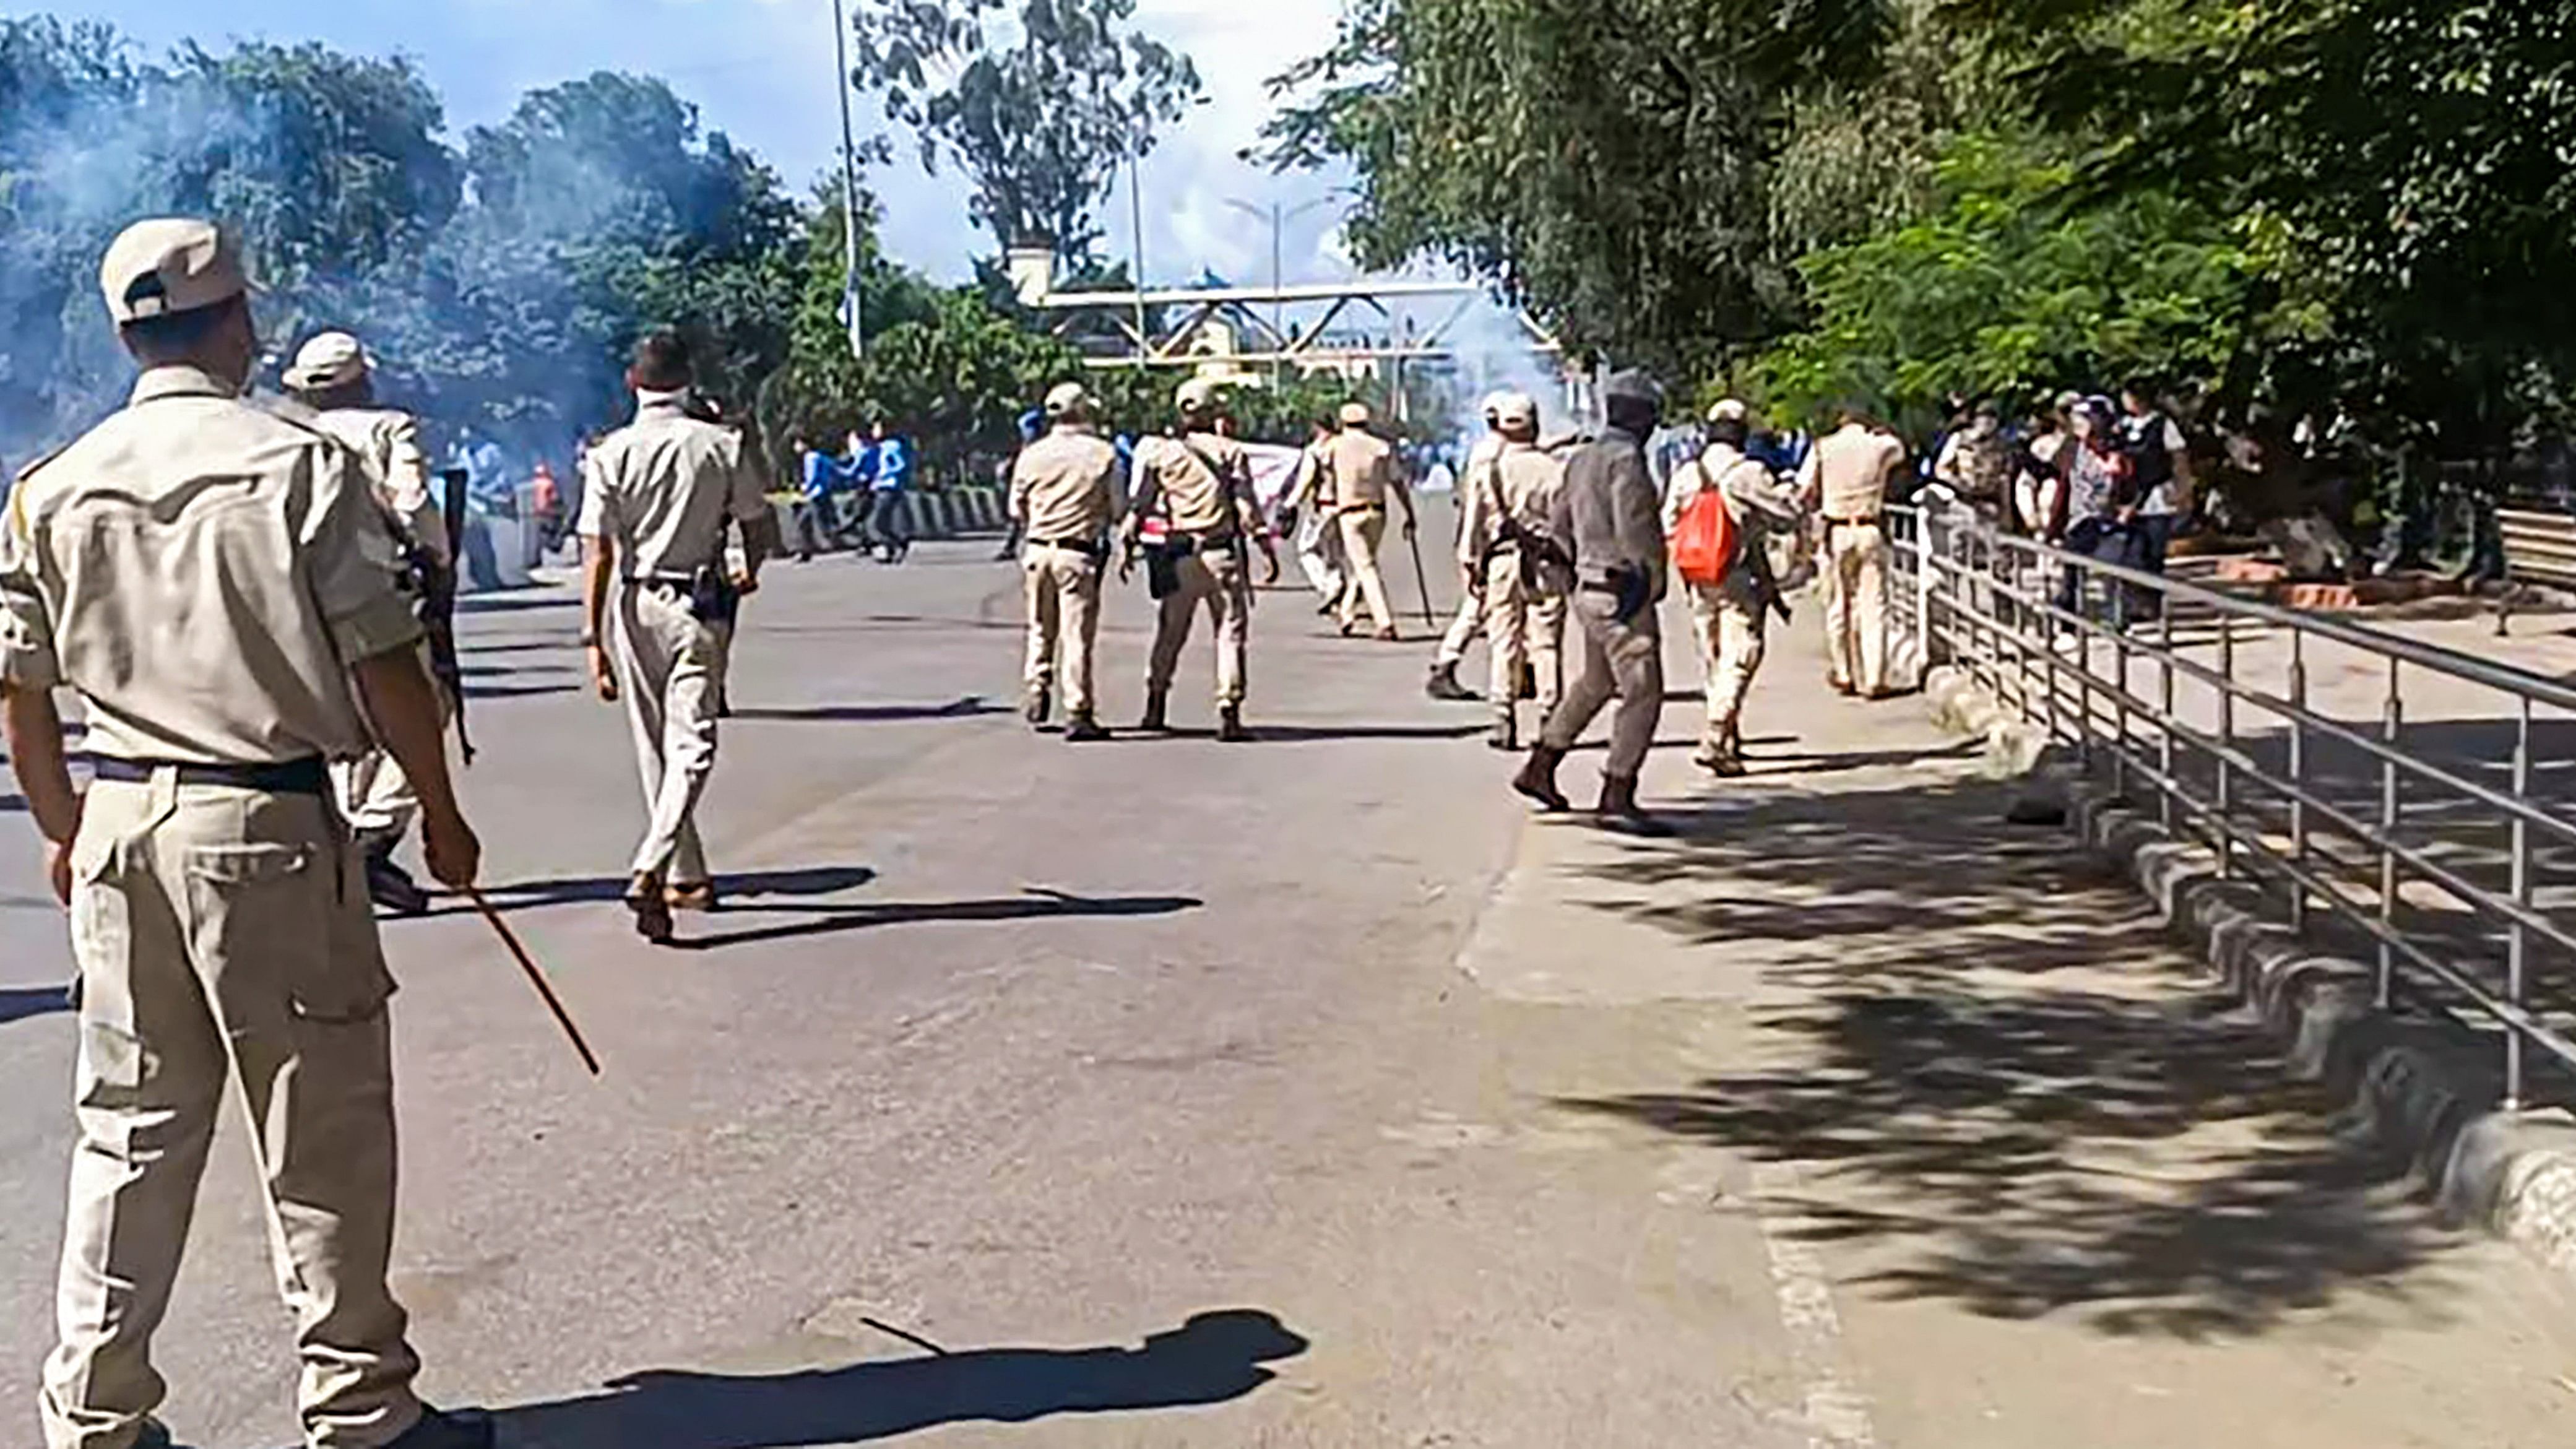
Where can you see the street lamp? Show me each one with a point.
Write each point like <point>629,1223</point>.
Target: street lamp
<point>1278,216</point>
<point>849,184</point>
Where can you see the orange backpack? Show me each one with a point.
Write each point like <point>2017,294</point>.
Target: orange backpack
<point>1704,536</point>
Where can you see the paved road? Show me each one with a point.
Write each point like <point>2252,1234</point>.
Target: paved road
<point>1304,1093</point>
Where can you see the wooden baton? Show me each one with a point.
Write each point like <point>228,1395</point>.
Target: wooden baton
<point>536,977</point>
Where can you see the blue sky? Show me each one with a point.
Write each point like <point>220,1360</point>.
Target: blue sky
<point>762,70</point>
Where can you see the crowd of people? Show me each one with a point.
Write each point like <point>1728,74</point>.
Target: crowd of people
<point>874,475</point>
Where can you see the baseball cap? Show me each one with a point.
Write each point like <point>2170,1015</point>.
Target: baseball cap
<point>1515,410</point>
<point>169,265</point>
<point>1066,398</point>
<point>332,359</point>
<point>1730,410</point>
<point>1355,414</point>
<point>1197,395</point>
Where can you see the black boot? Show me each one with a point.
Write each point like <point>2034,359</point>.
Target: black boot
<point>1082,729</point>
<point>1444,685</point>
<point>1038,704</point>
<point>1229,725</point>
<point>1506,733</point>
<point>1620,811</point>
<point>649,899</point>
<point>388,884</point>
<point>1157,712</point>
<point>447,1431</point>
<point>1537,778</point>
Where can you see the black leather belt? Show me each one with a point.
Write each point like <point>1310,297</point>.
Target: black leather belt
<point>1870,522</point>
<point>290,777</point>
<point>1078,545</point>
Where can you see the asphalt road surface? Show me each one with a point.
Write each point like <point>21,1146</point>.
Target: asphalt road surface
<point>1163,1093</point>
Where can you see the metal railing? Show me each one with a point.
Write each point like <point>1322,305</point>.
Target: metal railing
<point>2410,802</point>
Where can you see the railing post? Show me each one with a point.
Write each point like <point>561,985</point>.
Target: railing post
<point>2165,748</point>
<point>2120,708</point>
<point>2299,778</point>
<point>2517,938</point>
<point>2392,726</point>
<point>1923,572</point>
<point>2225,803</point>
<point>2084,674</point>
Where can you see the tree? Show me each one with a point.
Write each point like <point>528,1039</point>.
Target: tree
<point>1040,121</point>
<point>1607,165</point>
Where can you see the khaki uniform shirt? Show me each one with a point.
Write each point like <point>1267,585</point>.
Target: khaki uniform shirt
<point>204,573</point>
<point>1477,503</point>
<point>1174,477</point>
<point>660,489</point>
<point>1846,474</point>
<point>1362,468</point>
<point>1065,486</point>
<point>388,442</point>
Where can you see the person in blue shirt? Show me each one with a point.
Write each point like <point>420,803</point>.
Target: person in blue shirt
<point>889,474</point>
<point>818,511</point>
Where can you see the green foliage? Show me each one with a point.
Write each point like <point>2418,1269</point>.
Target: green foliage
<point>1039,124</point>
<point>2008,289</point>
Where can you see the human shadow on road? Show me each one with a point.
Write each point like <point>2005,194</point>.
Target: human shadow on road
<point>738,887</point>
<point>1035,904</point>
<point>476,689</point>
<point>1211,1359</point>
<point>18,1004</point>
<point>2007,1091</point>
<point>969,707</point>
<point>513,603</point>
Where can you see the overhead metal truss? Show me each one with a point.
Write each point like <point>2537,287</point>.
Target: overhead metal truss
<point>1291,326</point>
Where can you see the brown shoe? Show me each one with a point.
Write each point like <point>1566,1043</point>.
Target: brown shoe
<point>1537,779</point>
<point>1620,812</point>
<point>696,896</point>
<point>644,896</point>
<point>1388,635</point>
<point>1841,686</point>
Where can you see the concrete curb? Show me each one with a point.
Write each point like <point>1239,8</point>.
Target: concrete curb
<point>949,514</point>
<point>2421,1089</point>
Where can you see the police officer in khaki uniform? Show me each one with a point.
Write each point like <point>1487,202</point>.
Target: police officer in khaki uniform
<point>1524,583</point>
<point>659,597</point>
<point>1063,497</point>
<point>1606,522</point>
<point>1193,516</point>
<point>1470,621</point>
<point>333,380</point>
<point>1845,480</point>
<point>1363,476</point>
<point>219,587</point>
<point>1733,615</point>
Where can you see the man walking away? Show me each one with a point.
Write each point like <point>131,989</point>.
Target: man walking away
<point>818,514</point>
<point>334,382</point>
<point>1846,478</point>
<point>657,595</point>
<point>217,584</point>
<point>1605,521</point>
<point>1318,528</point>
<point>889,470</point>
<point>1525,579</point>
<point>1195,493</point>
<point>1364,473</point>
<point>1733,614</point>
<point>1474,541</point>
<point>1062,492</point>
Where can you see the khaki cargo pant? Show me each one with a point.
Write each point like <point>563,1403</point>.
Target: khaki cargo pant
<point>227,932</point>
<point>376,798</point>
<point>1064,620</point>
<point>668,667</point>
<point>1855,573</point>
<point>1625,660</point>
<point>1463,629</point>
<point>1363,530</point>
<point>1732,627</point>
<point>1526,626</point>
<point>1216,583</point>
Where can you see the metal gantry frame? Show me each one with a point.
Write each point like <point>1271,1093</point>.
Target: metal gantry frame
<point>2434,868</point>
<point>1282,340</point>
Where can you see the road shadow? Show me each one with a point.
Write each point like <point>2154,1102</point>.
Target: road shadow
<point>476,689</point>
<point>1211,1359</point>
<point>1034,904</point>
<point>18,1004</point>
<point>2003,1090</point>
<point>739,889</point>
<point>485,603</point>
<point>970,707</point>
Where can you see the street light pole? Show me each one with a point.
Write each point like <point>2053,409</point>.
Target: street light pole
<point>1278,215</point>
<point>849,184</point>
<point>1136,221</point>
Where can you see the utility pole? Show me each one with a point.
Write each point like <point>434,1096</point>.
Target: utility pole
<point>849,183</point>
<point>1136,221</point>
<point>1278,215</point>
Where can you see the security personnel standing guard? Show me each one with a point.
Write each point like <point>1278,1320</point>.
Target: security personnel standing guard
<point>333,378</point>
<point>1733,615</point>
<point>1606,523</point>
<point>1845,479</point>
<point>1063,494</point>
<point>218,585</point>
<point>1525,579</point>
<point>1196,492</point>
<point>658,598</point>
<point>1363,472</point>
